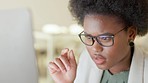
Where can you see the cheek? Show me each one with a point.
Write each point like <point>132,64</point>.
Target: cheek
<point>113,56</point>
<point>118,50</point>
<point>121,45</point>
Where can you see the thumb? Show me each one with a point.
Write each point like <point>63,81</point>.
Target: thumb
<point>72,59</point>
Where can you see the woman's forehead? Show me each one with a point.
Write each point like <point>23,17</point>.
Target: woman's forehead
<point>94,24</point>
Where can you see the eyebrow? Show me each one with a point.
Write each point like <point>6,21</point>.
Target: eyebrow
<point>107,33</point>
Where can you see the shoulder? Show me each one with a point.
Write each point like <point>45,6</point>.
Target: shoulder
<point>142,49</point>
<point>142,52</point>
<point>141,44</point>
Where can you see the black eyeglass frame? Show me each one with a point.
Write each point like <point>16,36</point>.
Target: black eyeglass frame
<point>95,38</point>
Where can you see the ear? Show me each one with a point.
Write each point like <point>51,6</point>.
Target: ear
<point>132,32</point>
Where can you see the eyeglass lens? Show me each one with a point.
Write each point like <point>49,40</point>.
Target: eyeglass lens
<point>104,40</point>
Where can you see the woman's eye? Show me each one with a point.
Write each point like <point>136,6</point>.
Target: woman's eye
<point>105,38</point>
<point>87,37</point>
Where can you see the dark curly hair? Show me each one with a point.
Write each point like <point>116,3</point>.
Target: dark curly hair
<point>131,12</point>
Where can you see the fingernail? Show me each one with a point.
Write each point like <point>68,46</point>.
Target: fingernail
<point>64,51</point>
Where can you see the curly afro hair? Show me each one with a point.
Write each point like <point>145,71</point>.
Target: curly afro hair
<point>131,12</point>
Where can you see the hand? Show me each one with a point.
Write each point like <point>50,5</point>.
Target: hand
<point>63,68</point>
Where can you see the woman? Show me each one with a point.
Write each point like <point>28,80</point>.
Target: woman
<point>110,28</point>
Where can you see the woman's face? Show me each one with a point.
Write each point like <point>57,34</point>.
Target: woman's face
<point>107,57</point>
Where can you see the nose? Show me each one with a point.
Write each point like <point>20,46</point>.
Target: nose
<point>97,47</point>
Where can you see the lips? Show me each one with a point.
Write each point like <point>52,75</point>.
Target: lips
<point>99,59</point>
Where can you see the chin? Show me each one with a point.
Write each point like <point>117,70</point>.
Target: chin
<point>102,67</point>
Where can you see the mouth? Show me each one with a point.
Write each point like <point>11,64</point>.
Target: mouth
<point>99,59</point>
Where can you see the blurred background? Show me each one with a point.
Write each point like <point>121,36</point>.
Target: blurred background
<point>53,29</point>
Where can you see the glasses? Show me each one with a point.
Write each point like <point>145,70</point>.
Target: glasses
<point>105,40</point>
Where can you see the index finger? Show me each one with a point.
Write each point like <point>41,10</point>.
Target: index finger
<point>64,52</point>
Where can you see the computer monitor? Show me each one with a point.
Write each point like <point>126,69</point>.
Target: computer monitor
<point>17,55</point>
